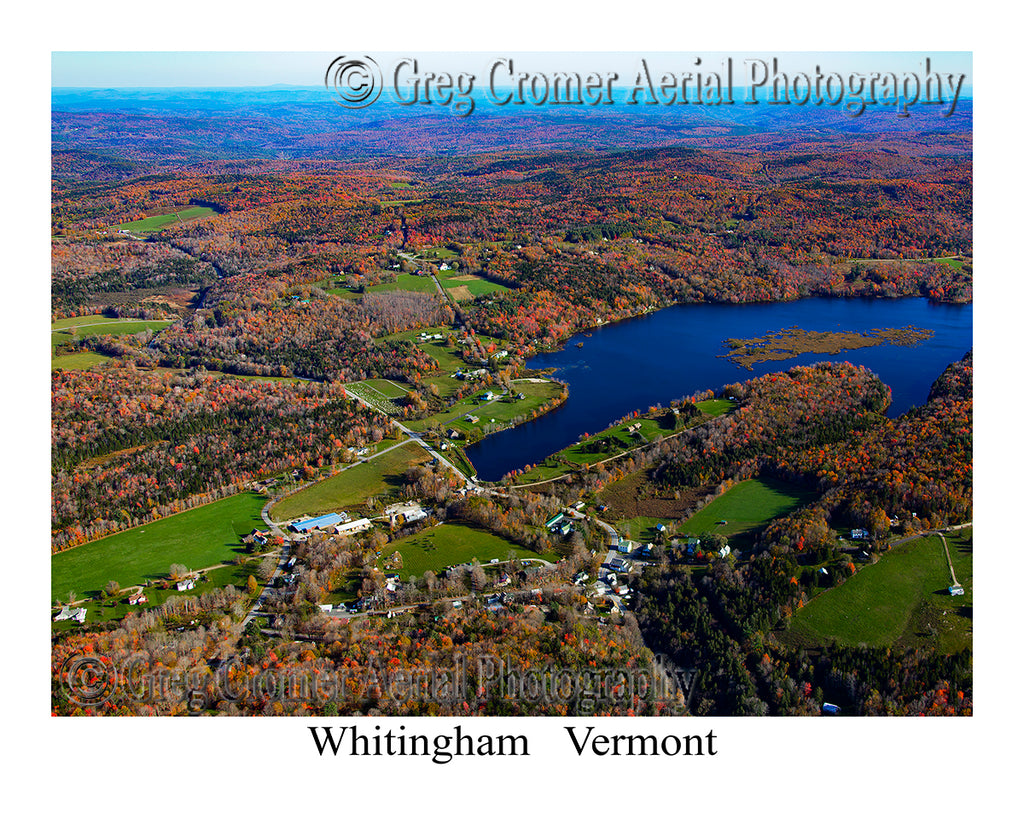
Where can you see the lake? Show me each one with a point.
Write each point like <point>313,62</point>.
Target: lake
<point>653,359</point>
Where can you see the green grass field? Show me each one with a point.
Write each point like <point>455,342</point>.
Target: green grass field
<point>535,395</point>
<point>641,528</point>
<point>623,441</point>
<point>151,224</point>
<point>475,285</point>
<point>282,378</point>
<point>406,281</point>
<point>60,330</point>
<point>458,458</point>
<point>78,361</point>
<point>344,293</point>
<point>351,488</point>
<point>446,385</point>
<point>715,406</point>
<point>440,253</point>
<point>100,611</point>
<point>389,389</point>
<point>900,600</point>
<point>450,544</point>
<point>197,538</point>
<point>746,508</point>
<point>449,359</point>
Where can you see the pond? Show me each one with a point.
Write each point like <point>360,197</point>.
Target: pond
<point>653,359</point>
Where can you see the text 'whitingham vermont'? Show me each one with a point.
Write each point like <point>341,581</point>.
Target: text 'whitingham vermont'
<point>442,748</point>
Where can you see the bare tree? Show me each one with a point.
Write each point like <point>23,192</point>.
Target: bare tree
<point>267,566</point>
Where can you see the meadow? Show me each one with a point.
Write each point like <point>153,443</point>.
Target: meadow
<point>535,394</point>
<point>152,224</point>
<point>197,538</point>
<point>78,361</point>
<point>619,441</point>
<point>352,487</point>
<point>746,508</point>
<point>449,544</point>
<point>117,607</point>
<point>466,286</point>
<point>902,600</point>
<point>406,281</point>
<point>61,331</point>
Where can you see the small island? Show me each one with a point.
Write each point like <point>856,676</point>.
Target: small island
<point>789,343</point>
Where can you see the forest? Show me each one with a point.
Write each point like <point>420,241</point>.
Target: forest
<point>130,445</point>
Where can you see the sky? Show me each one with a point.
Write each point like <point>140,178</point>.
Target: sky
<point>144,69</point>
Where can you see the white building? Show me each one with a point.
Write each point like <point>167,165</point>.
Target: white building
<point>353,527</point>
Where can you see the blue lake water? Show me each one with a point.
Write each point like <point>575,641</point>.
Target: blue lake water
<point>653,359</point>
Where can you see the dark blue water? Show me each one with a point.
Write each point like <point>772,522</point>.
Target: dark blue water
<point>672,353</point>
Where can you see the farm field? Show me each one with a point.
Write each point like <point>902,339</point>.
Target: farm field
<point>196,538</point>
<point>464,287</point>
<point>353,486</point>
<point>899,601</point>
<point>379,392</point>
<point>151,224</point>
<point>746,508</point>
<point>450,544</point>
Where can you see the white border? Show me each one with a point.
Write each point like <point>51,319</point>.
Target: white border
<point>773,766</point>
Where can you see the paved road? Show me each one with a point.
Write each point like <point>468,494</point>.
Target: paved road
<point>419,439</point>
<point>265,592</point>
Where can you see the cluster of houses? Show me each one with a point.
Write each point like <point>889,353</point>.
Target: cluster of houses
<point>257,537</point>
<point>559,524</point>
<point>469,375</point>
<point>430,337</point>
